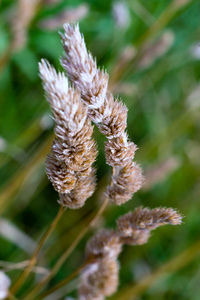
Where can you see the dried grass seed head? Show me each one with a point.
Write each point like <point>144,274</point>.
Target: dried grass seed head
<point>104,243</point>
<point>78,159</point>
<point>125,184</point>
<point>84,188</point>
<point>69,112</point>
<point>99,279</point>
<point>146,219</point>
<point>82,69</point>
<point>62,180</point>
<point>109,115</point>
<point>114,124</point>
<point>138,237</point>
<point>73,150</point>
<point>119,152</point>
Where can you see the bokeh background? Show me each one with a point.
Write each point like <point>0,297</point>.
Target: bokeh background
<point>151,49</point>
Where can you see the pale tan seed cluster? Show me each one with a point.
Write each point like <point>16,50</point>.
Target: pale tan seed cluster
<point>69,165</point>
<point>135,227</point>
<point>82,69</point>
<point>108,114</point>
<point>100,278</point>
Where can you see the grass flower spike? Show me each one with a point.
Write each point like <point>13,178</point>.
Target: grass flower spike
<point>108,114</point>
<point>82,69</point>
<point>99,280</point>
<point>69,166</point>
<point>100,277</point>
<point>105,152</point>
<point>134,227</point>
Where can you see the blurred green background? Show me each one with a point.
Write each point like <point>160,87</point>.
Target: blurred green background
<point>151,49</point>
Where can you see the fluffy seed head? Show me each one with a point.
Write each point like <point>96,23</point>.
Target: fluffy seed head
<point>119,152</point>
<point>125,184</point>
<point>82,69</point>
<point>77,159</point>
<point>104,243</point>
<point>99,279</point>
<point>114,124</point>
<point>138,237</point>
<point>83,189</point>
<point>69,112</point>
<point>144,219</point>
<point>62,180</point>
<point>73,150</point>
<point>108,114</point>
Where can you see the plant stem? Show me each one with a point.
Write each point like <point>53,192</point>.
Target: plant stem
<point>33,293</point>
<point>64,281</point>
<point>33,259</point>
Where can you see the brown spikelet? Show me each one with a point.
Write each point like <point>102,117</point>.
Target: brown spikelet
<point>143,219</point>
<point>82,69</point>
<point>97,115</point>
<point>70,114</point>
<point>119,152</point>
<point>114,124</point>
<point>78,159</point>
<point>99,279</point>
<point>83,135</point>
<point>69,166</point>
<point>83,189</point>
<point>62,180</point>
<point>139,237</point>
<point>125,184</point>
<point>108,114</point>
<point>104,243</point>
<point>73,150</point>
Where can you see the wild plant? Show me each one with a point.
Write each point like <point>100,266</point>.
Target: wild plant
<point>78,104</point>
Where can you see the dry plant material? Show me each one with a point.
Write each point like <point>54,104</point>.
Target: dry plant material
<point>134,227</point>
<point>125,184</point>
<point>108,114</point>
<point>99,280</point>
<point>104,243</point>
<point>83,189</point>
<point>100,277</point>
<point>69,166</point>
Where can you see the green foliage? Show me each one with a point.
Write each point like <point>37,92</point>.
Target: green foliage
<point>163,97</point>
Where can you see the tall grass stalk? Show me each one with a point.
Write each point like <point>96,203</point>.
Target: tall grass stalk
<point>67,253</point>
<point>34,257</point>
